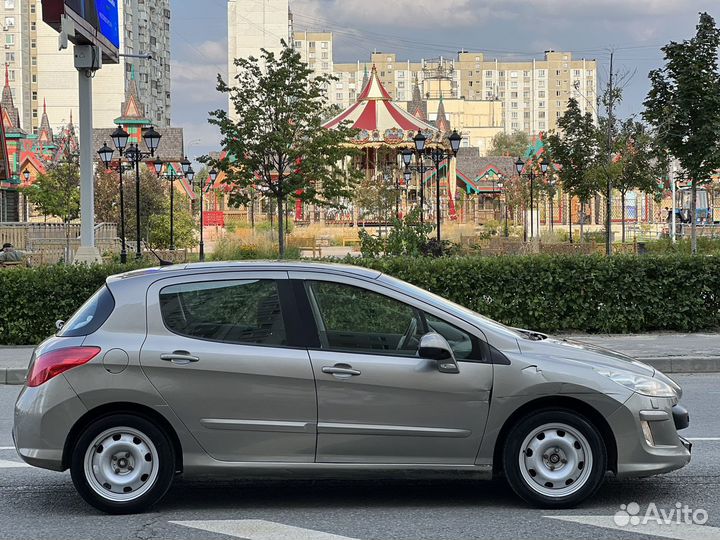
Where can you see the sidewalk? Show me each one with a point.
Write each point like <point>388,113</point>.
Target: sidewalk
<point>668,352</point>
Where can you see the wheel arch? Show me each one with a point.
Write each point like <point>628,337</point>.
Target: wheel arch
<point>110,409</point>
<point>560,402</point>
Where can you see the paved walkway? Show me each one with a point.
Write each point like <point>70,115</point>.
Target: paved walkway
<point>669,352</point>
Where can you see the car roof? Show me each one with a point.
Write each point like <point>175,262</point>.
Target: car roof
<point>224,266</point>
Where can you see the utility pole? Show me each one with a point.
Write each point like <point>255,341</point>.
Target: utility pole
<point>608,195</point>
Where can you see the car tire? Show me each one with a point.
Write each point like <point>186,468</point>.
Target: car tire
<point>122,464</point>
<point>554,458</point>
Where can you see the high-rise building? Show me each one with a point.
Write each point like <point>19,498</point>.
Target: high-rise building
<point>533,93</point>
<point>39,72</point>
<point>254,25</point>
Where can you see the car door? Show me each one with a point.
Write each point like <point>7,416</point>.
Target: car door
<point>378,402</point>
<point>220,350</point>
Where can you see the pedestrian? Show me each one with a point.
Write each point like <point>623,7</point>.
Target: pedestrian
<point>669,214</point>
<point>10,254</point>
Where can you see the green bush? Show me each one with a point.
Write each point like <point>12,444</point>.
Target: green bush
<point>547,293</point>
<point>34,298</point>
<point>234,249</point>
<point>621,294</point>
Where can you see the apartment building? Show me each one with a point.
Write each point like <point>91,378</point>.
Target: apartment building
<point>40,73</point>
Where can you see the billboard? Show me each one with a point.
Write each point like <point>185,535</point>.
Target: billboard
<point>96,23</point>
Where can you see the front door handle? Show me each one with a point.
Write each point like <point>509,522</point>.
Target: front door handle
<point>341,371</point>
<point>179,357</point>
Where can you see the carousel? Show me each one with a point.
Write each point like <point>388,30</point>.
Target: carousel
<point>389,138</point>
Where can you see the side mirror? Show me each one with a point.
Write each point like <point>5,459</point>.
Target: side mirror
<point>59,324</point>
<point>436,347</point>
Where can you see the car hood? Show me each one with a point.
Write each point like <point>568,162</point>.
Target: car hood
<point>586,353</point>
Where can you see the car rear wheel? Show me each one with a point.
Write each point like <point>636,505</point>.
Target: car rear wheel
<point>555,458</point>
<point>122,464</point>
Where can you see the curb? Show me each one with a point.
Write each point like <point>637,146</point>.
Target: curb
<point>666,364</point>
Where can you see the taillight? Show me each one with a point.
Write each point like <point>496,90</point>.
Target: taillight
<point>48,365</point>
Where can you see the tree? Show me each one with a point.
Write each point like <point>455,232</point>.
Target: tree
<point>184,227</point>
<point>683,105</point>
<point>512,144</point>
<point>376,198</point>
<point>154,199</point>
<point>275,141</point>
<point>57,193</point>
<point>575,149</point>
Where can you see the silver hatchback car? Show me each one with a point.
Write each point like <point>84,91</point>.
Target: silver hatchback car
<point>319,369</point>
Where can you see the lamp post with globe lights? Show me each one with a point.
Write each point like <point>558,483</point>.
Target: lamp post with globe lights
<point>438,156</point>
<point>136,156</point>
<point>171,175</point>
<point>119,138</point>
<point>212,176</point>
<point>532,176</point>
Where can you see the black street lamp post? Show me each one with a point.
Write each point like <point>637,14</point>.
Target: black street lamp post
<point>519,166</point>
<point>212,176</point>
<point>135,156</point>
<point>438,156</point>
<point>551,183</point>
<point>500,185</point>
<point>120,139</point>
<point>171,175</point>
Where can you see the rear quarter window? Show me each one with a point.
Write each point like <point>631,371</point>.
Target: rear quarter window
<point>91,315</point>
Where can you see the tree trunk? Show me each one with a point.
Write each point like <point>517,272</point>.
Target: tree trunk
<point>622,215</point>
<point>281,228</point>
<point>67,241</point>
<point>693,224</point>
<point>582,221</point>
<point>570,217</point>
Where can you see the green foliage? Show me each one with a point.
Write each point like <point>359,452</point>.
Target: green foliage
<point>510,144</point>
<point>34,298</point>
<point>231,249</point>
<point>619,294</point>
<point>57,193</point>
<point>683,104</point>
<point>575,148</point>
<point>184,226</point>
<point>547,293</point>
<point>705,246</point>
<point>278,144</point>
<point>406,237</point>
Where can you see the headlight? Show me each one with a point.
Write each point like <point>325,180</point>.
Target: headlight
<point>647,386</point>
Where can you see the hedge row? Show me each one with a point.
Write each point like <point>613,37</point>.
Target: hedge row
<point>547,293</point>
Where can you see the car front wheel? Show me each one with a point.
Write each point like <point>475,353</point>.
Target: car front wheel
<point>122,464</point>
<point>554,458</point>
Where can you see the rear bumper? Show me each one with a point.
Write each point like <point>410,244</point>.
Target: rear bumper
<point>44,416</point>
<point>664,452</point>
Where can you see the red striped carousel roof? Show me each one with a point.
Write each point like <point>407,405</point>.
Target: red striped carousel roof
<point>379,119</point>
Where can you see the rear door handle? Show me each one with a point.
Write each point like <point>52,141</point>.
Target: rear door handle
<point>179,357</point>
<point>341,371</point>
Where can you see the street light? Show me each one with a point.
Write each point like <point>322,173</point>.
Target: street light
<point>135,156</point>
<point>26,175</point>
<point>519,166</point>
<point>500,185</point>
<point>119,138</point>
<point>213,176</point>
<point>438,156</point>
<point>171,175</point>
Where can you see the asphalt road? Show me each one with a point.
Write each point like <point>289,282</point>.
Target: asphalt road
<point>42,504</point>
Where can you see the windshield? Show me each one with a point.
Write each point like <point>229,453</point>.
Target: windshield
<point>91,315</point>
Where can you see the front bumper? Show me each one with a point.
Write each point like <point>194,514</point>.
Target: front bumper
<point>44,416</point>
<point>646,433</point>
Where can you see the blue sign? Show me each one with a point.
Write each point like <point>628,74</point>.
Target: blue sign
<point>107,14</point>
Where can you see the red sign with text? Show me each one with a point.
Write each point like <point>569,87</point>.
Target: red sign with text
<point>214,219</point>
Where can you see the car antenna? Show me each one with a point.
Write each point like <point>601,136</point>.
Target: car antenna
<point>163,262</point>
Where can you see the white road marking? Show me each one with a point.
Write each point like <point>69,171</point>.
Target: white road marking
<point>7,448</point>
<point>258,529</point>
<point>676,531</point>
<point>703,438</point>
<point>7,464</point>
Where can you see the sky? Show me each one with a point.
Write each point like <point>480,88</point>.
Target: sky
<point>414,29</point>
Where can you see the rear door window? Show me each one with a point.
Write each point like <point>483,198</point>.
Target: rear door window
<point>232,311</point>
<point>91,315</point>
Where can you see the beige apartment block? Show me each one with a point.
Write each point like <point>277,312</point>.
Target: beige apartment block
<point>40,73</point>
<point>534,93</point>
<point>478,121</point>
